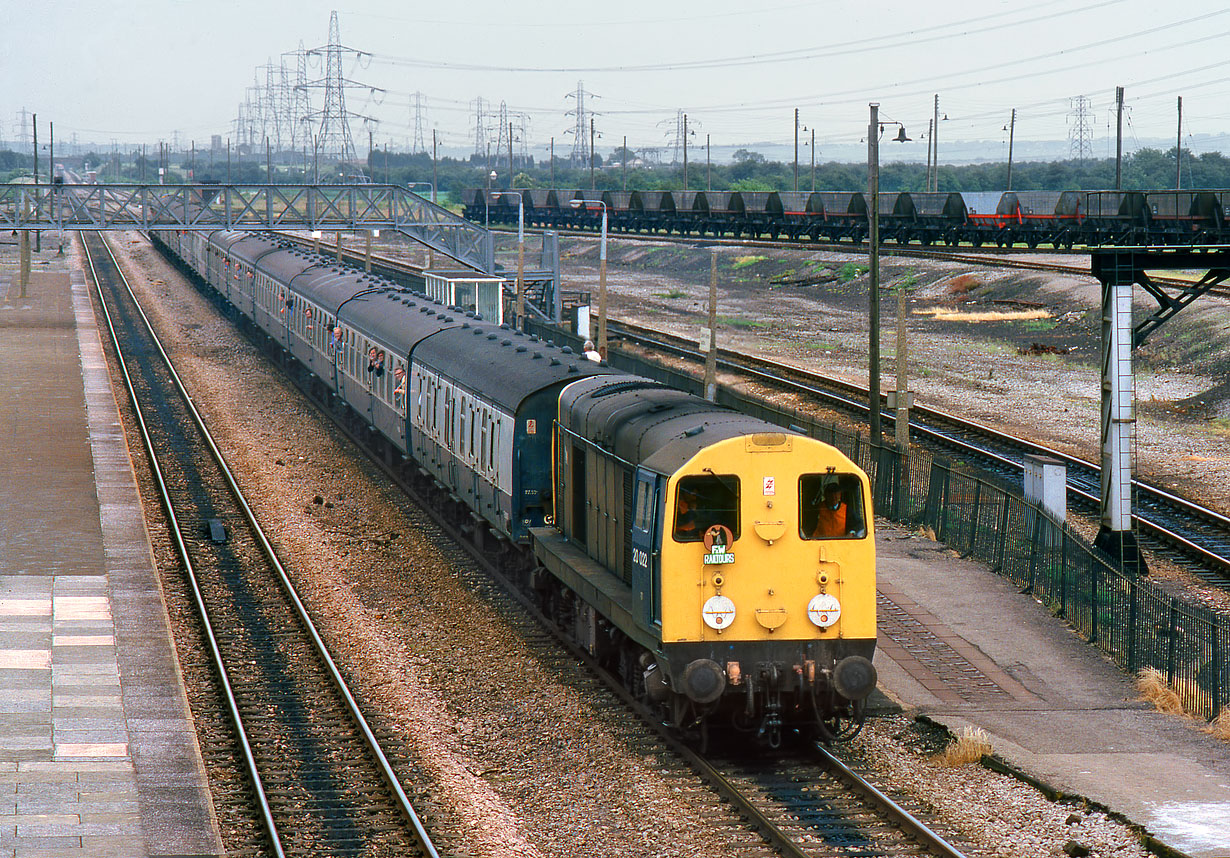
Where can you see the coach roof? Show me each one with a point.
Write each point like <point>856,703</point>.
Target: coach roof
<point>502,365</point>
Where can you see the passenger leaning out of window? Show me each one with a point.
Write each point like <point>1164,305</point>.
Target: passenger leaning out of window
<point>399,392</point>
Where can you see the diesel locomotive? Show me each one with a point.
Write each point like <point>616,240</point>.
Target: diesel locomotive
<point>723,567</point>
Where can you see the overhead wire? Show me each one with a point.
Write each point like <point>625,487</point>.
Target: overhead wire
<point>835,49</point>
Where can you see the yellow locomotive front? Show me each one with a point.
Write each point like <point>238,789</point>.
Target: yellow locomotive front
<point>724,567</point>
<point>768,592</point>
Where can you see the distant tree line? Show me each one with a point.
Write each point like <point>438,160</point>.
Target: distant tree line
<point>1145,169</point>
<point>749,171</point>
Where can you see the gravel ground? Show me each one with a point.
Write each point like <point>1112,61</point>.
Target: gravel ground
<point>1006,815</point>
<point>528,759</point>
<point>525,764</point>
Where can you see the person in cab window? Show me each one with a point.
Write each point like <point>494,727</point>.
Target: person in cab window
<point>687,517</point>
<point>831,521</point>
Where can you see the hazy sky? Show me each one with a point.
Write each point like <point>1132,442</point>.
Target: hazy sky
<point>140,70</point>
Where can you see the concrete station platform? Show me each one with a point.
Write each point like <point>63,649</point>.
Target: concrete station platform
<point>98,754</point>
<point>964,647</point>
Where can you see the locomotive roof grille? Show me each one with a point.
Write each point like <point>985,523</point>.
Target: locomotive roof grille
<point>624,386</point>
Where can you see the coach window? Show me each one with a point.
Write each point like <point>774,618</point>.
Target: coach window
<point>486,441</point>
<point>473,420</point>
<point>704,501</point>
<point>495,439</point>
<point>831,507</point>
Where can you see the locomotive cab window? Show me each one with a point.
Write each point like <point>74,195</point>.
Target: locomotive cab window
<point>831,507</point>
<point>703,501</point>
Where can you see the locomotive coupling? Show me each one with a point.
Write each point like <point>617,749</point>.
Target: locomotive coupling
<point>854,677</point>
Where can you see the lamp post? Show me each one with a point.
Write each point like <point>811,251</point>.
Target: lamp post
<point>520,254</point>
<point>813,160</point>
<point>796,150</point>
<point>685,151</point>
<point>412,185</point>
<point>1011,139</point>
<point>602,342</point>
<point>874,127</point>
<point>491,177</point>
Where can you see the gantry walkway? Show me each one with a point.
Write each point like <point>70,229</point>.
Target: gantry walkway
<point>208,206</point>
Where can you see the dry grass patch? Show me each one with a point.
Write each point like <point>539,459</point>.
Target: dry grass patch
<point>947,314</point>
<point>962,283</point>
<point>1152,685</point>
<point>1220,727</point>
<point>970,745</point>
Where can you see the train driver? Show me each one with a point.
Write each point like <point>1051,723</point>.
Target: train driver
<point>831,519</point>
<point>687,517</point>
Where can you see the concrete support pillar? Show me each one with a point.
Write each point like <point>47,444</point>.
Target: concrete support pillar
<point>1116,536</point>
<point>24,275</point>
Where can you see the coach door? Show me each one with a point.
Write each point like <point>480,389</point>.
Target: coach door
<point>646,575</point>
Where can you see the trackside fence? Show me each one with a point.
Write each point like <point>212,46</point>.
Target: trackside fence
<point>1130,618</point>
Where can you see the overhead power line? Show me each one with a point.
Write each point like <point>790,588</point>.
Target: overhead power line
<point>910,38</point>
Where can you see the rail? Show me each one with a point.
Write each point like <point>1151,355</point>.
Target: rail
<point>179,536</point>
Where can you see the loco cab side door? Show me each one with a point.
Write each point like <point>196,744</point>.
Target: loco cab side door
<point>646,540</point>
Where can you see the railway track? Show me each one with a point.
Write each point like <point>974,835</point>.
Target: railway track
<point>318,780</point>
<point>1194,533</point>
<point>809,807</point>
